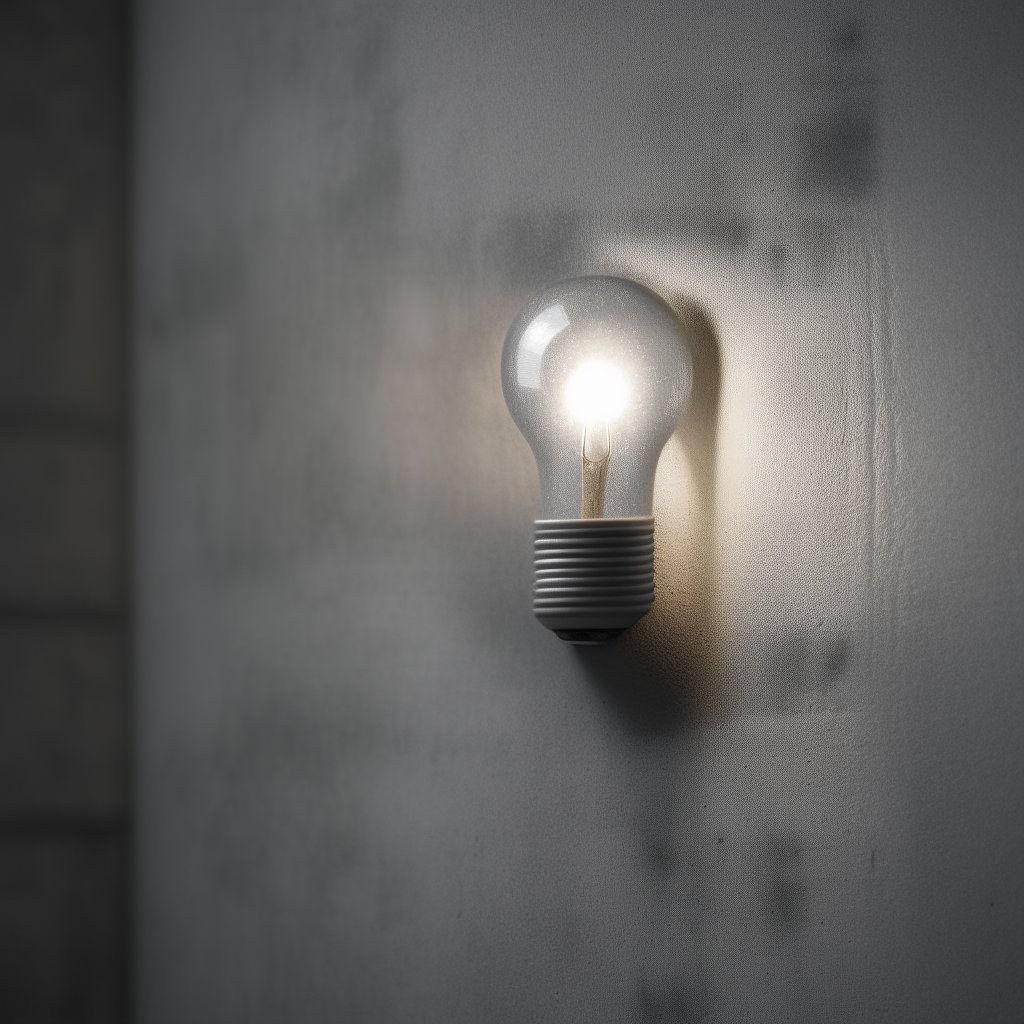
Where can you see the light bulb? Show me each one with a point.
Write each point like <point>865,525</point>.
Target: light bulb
<point>596,372</point>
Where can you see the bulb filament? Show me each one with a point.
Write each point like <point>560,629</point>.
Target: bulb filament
<point>596,452</point>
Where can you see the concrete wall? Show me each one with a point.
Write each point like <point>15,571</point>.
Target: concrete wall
<point>371,787</point>
<point>64,814</point>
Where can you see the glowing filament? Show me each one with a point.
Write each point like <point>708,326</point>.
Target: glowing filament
<point>596,393</point>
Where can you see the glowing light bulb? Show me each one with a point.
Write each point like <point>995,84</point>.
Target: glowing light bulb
<point>596,372</point>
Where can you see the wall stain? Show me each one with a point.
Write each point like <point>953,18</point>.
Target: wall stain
<point>839,145</point>
<point>714,226</point>
<point>269,760</point>
<point>798,672</point>
<point>672,1003</point>
<point>363,202</point>
<point>784,896</point>
<point>532,248</point>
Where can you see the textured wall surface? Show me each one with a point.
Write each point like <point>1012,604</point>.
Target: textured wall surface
<point>63,529</point>
<point>372,787</point>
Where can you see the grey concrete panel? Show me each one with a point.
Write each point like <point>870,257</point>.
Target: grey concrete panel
<point>62,207</point>
<point>62,911</point>
<point>372,787</point>
<point>63,686</point>
<point>63,731</point>
<point>62,522</point>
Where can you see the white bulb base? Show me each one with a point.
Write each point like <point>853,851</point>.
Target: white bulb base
<point>593,578</point>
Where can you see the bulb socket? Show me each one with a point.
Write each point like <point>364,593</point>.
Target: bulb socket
<point>592,577</point>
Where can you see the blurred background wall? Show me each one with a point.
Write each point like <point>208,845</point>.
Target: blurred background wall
<point>368,786</point>
<point>371,787</point>
<point>64,814</point>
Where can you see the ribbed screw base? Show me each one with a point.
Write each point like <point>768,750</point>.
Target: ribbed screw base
<point>592,577</point>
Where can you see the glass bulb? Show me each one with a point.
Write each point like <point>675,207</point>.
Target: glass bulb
<point>596,372</point>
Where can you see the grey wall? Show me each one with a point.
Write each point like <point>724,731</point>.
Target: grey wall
<point>371,787</point>
<point>64,807</point>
